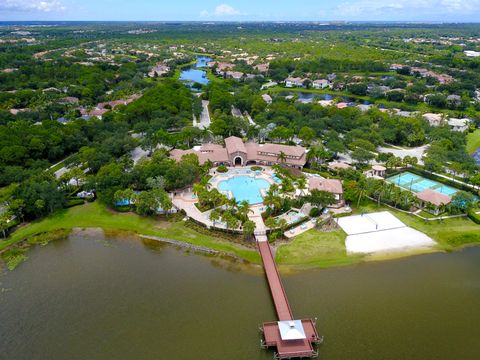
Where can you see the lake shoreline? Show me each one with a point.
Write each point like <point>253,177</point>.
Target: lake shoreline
<point>285,267</point>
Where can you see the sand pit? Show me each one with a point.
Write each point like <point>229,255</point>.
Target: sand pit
<point>381,232</point>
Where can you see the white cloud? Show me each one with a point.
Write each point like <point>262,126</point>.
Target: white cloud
<point>222,10</point>
<point>226,10</point>
<point>31,5</point>
<point>426,8</point>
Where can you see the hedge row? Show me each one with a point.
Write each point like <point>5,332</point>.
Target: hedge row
<point>474,216</point>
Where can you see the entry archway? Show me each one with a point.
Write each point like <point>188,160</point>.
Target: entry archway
<point>238,161</point>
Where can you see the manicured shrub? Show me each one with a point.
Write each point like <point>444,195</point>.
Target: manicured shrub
<point>222,169</point>
<point>314,212</point>
<point>74,202</point>
<point>256,168</point>
<point>474,216</point>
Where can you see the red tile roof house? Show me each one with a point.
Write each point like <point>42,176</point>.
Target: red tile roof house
<point>333,186</point>
<point>237,153</point>
<point>433,198</point>
<point>263,68</point>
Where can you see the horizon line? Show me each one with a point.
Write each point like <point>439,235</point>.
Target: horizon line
<point>253,21</point>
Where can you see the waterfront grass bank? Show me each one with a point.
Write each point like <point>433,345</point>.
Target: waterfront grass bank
<point>94,214</point>
<point>312,249</point>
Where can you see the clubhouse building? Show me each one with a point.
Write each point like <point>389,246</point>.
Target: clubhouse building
<point>237,153</point>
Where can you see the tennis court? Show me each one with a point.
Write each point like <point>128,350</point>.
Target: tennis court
<point>417,183</point>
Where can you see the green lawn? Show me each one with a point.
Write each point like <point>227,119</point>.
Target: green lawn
<point>96,215</point>
<point>473,141</point>
<point>449,233</point>
<point>315,248</point>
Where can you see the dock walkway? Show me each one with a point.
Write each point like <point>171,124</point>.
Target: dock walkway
<point>286,349</point>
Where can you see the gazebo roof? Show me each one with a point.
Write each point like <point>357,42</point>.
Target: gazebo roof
<point>291,330</point>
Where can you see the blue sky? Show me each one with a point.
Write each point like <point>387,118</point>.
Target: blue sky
<point>244,10</point>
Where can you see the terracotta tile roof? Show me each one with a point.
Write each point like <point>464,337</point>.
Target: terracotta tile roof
<point>234,144</point>
<point>333,186</point>
<point>338,165</point>
<point>434,197</point>
<point>296,151</point>
<point>217,155</point>
<point>267,152</point>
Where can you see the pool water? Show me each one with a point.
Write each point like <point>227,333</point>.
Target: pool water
<point>417,183</point>
<point>245,188</point>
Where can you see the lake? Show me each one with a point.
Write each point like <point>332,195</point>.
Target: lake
<point>194,75</point>
<point>91,297</point>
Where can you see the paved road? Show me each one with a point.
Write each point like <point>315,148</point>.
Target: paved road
<point>204,116</point>
<point>400,152</point>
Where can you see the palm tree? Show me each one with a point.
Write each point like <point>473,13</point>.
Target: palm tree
<point>271,223</point>
<point>302,184</point>
<point>232,203</point>
<point>244,209</point>
<point>205,182</point>
<point>198,188</point>
<point>282,157</point>
<point>248,228</point>
<point>273,190</point>
<point>215,216</point>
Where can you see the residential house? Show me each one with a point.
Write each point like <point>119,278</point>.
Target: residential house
<point>263,68</point>
<point>434,119</point>
<point>460,125</point>
<point>267,98</point>
<point>159,70</point>
<point>320,84</point>
<point>396,66</point>
<point>331,77</point>
<point>294,82</point>
<point>69,100</point>
<point>237,75</point>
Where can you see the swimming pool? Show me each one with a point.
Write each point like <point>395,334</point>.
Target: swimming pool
<point>417,183</point>
<point>245,188</point>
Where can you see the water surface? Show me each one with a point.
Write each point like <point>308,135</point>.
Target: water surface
<point>95,298</point>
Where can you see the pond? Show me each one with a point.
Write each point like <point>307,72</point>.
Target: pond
<point>91,297</point>
<point>193,75</point>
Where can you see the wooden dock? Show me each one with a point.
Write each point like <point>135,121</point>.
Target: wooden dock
<point>272,335</point>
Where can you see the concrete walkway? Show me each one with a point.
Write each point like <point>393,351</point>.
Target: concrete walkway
<point>256,217</point>
<point>300,229</point>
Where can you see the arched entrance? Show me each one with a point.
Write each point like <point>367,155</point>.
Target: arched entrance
<point>238,161</point>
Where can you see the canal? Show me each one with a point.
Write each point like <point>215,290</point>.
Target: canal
<point>91,297</point>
